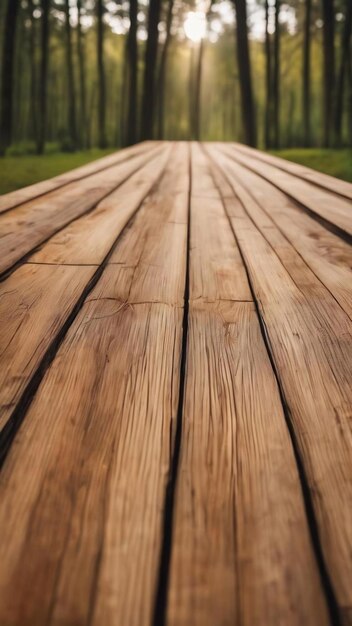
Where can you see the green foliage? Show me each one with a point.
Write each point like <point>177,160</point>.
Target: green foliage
<point>20,171</point>
<point>334,162</point>
<point>220,88</point>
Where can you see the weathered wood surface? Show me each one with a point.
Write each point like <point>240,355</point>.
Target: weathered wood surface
<point>31,309</point>
<point>28,225</point>
<point>321,202</point>
<point>175,393</point>
<point>14,198</point>
<point>326,254</point>
<point>313,176</point>
<point>240,526</point>
<point>310,338</point>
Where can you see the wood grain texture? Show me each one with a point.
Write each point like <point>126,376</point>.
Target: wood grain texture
<point>82,489</point>
<point>34,302</point>
<point>323,203</point>
<point>240,538</point>
<point>328,256</point>
<point>86,481</point>
<point>36,299</point>
<point>310,338</point>
<point>88,239</point>
<point>19,196</point>
<point>335,185</point>
<point>30,224</point>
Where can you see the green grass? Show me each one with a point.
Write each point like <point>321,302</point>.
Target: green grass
<point>20,171</point>
<point>334,162</point>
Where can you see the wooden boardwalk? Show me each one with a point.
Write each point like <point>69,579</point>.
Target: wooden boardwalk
<point>176,393</point>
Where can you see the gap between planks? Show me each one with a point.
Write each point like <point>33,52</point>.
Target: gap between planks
<point>32,237</point>
<point>22,403</point>
<point>15,198</point>
<point>324,253</point>
<point>313,526</point>
<point>114,347</point>
<point>185,342</point>
<point>315,177</point>
<point>338,222</point>
<point>334,564</point>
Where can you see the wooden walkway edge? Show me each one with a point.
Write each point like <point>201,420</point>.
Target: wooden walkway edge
<point>176,393</point>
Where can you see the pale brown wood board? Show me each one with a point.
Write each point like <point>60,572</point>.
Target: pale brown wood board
<point>176,393</point>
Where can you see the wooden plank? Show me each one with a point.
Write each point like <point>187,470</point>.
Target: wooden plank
<point>336,185</point>
<point>87,240</point>
<point>34,303</point>
<point>27,226</point>
<point>324,204</point>
<point>19,196</point>
<point>329,257</point>
<point>36,299</point>
<point>240,536</point>
<point>310,337</point>
<point>86,477</point>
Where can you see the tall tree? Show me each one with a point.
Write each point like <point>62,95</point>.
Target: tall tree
<point>70,78</point>
<point>244,71</point>
<point>33,123</point>
<point>340,83</point>
<point>349,97</point>
<point>191,123</point>
<point>82,78</point>
<point>268,80</point>
<point>290,120</point>
<point>101,75</point>
<point>276,77</point>
<point>7,74</point>
<point>121,136</point>
<point>44,66</point>
<point>21,54</point>
<point>132,55</point>
<point>148,102</point>
<point>198,90</point>
<point>198,85</point>
<point>162,70</point>
<point>328,67</point>
<point>306,78</point>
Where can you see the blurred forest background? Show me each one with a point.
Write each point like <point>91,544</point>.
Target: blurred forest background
<point>78,74</point>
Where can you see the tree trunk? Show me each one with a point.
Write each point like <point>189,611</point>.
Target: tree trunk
<point>162,71</point>
<point>151,52</point>
<point>55,98</point>
<point>340,83</point>
<point>19,84</point>
<point>44,65</point>
<point>7,85</point>
<point>349,100</point>
<point>290,120</point>
<point>328,66</point>
<point>276,77</point>
<point>123,101</point>
<point>82,78</point>
<point>197,91</point>
<point>198,85</point>
<point>33,123</point>
<point>268,80</point>
<point>90,116</point>
<point>71,81</point>
<point>234,111</point>
<point>306,73</point>
<point>132,55</point>
<point>101,76</point>
<point>191,93</point>
<point>244,70</point>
